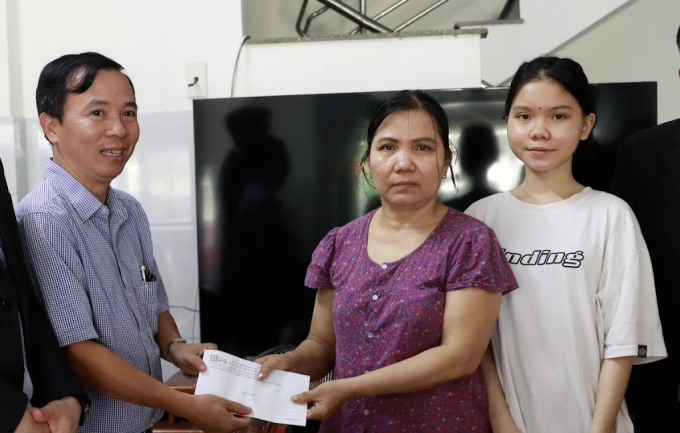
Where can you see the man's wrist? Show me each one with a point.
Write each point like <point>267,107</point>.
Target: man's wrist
<point>172,343</point>
<point>182,404</point>
<point>84,407</point>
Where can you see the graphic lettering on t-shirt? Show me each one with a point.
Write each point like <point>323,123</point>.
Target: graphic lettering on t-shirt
<point>545,257</point>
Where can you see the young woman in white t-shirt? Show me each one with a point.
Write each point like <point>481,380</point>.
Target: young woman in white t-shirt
<point>585,310</point>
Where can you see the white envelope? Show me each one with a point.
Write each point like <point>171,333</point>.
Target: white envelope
<point>236,379</point>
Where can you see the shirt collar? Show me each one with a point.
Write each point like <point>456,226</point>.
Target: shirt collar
<point>82,200</point>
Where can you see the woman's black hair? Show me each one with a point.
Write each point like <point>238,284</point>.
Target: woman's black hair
<point>407,100</point>
<point>565,72</point>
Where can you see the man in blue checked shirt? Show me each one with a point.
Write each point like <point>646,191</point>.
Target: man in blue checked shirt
<point>86,244</point>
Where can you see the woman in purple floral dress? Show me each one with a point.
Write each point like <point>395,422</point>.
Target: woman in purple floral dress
<point>407,295</point>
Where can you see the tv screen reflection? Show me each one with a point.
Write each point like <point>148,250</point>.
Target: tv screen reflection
<point>275,174</point>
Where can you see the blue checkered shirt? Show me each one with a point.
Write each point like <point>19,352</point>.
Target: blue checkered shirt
<point>85,258</point>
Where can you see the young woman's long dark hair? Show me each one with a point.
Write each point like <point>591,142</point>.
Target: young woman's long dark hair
<point>565,72</point>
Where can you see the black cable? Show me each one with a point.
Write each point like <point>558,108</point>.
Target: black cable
<point>186,308</point>
<point>238,55</point>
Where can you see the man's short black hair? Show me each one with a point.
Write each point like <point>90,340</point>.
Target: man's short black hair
<point>677,39</point>
<point>72,73</point>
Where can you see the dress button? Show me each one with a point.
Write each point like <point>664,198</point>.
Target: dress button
<point>367,371</point>
<point>366,412</point>
<point>383,266</point>
<point>375,297</point>
<point>369,335</point>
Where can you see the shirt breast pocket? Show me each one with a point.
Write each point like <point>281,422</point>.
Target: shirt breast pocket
<point>148,295</point>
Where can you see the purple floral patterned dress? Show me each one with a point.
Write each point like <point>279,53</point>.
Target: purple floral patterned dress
<point>385,313</point>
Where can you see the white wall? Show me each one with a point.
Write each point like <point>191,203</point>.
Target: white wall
<point>152,39</point>
<point>635,43</point>
<point>4,62</point>
<point>360,64</point>
<point>10,128</point>
<point>546,25</point>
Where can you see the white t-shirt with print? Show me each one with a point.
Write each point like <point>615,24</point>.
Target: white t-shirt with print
<point>586,293</point>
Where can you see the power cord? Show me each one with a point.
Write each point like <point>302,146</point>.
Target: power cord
<point>238,56</point>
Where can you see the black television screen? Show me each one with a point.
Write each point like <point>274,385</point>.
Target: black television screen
<point>275,174</point>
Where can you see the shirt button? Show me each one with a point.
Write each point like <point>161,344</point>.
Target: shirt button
<point>369,335</point>
<point>366,412</point>
<point>375,297</point>
<point>383,266</point>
